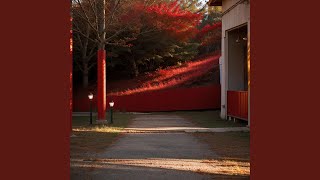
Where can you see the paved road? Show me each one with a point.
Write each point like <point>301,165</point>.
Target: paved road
<point>152,155</point>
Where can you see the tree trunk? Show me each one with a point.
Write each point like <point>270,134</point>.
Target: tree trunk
<point>134,68</point>
<point>85,76</point>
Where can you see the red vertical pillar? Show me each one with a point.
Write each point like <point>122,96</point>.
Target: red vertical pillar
<point>101,96</point>
<point>70,76</point>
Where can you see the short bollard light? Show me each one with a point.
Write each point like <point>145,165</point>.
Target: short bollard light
<point>90,96</point>
<point>111,115</point>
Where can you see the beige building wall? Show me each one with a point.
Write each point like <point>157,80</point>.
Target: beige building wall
<point>235,14</point>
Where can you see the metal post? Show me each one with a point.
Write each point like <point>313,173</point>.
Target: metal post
<point>90,111</point>
<point>111,120</point>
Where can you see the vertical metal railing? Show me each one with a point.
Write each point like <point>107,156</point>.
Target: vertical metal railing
<point>237,104</point>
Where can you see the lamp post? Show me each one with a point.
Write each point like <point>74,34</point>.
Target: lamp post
<point>90,96</point>
<point>111,106</point>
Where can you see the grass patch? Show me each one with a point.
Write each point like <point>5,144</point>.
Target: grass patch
<point>92,139</point>
<point>209,119</point>
<point>120,120</point>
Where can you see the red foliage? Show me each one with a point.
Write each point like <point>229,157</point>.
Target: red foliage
<point>210,33</point>
<point>167,17</point>
<point>133,15</point>
<point>171,18</point>
<point>208,28</point>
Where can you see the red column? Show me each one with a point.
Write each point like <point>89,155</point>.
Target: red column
<point>101,96</point>
<point>70,76</point>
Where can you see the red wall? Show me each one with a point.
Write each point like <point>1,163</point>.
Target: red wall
<point>207,97</point>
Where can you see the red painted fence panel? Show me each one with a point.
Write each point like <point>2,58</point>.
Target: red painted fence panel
<point>237,104</point>
<point>197,98</point>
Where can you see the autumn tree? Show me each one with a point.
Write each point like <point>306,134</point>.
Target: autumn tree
<point>165,30</point>
<point>195,6</point>
<point>209,35</point>
<point>89,34</point>
<point>140,35</point>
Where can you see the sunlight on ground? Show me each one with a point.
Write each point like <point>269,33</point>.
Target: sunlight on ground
<point>105,129</point>
<point>223,167</point>
<point>187,129</point>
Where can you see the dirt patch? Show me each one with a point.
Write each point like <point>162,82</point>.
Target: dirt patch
<point>233,149</point>
<point>89,143</point>
<point>228,145</point>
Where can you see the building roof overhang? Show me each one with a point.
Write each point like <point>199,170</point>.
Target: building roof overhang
<point>215,3</point>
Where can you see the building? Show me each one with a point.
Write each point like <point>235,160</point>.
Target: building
<point>235,59</point>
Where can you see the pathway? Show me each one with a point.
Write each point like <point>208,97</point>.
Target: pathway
<point>157,154</point>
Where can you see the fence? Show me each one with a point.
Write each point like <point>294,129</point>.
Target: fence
<point>196,98</point>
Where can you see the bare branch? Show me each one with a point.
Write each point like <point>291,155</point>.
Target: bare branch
<point>86,39</point>
<point>86,18</point>
<point>92,65</point>
<point>93,40</point>
<point>94,12</point>
<point>114,35</point>
<point>92,51</point>
<point>79,39</point>
<point>79,66</point>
